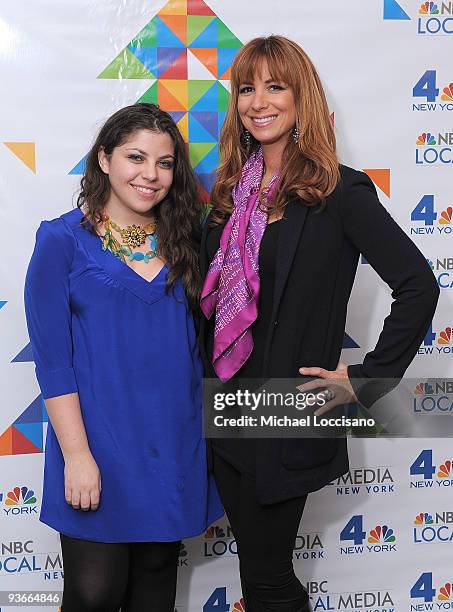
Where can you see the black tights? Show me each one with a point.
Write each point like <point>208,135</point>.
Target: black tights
<point>106,577</point>
<point>265,538</point>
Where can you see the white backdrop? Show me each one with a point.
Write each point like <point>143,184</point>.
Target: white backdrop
<point>373,58</point>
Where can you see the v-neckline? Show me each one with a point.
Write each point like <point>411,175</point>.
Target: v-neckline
<point>148,290</point>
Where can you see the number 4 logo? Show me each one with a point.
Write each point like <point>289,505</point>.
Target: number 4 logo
<point>426,87</point>
<point>423,588</point>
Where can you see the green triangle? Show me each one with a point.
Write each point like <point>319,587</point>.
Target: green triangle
<point>223,97</point>
<point>197,89</point>
<point>195,26</point>
<point>146,37</point>
<point>150,95</point>
<point>126,66</point>
<point>226,38</point>
<point>198,150</point>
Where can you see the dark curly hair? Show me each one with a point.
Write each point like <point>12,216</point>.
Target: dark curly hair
<point>179,214</point>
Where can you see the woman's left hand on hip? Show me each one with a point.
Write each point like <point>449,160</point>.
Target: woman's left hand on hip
<point>337,382</point>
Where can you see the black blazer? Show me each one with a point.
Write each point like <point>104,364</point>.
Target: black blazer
<point>317,259</point>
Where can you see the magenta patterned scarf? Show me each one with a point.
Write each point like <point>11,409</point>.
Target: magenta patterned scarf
<point>232,285</point>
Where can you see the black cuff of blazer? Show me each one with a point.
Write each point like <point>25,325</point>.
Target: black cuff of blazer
<point>369,390</point>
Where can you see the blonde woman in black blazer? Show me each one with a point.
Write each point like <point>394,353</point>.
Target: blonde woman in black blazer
<point>321,217</point>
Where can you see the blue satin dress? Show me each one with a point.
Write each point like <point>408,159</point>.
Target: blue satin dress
<point>129,349</point>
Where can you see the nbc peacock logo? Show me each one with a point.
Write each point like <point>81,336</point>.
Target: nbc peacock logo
<point>424,518</point>
<point>19,501</point>
<point>445,592</point>
<point>239,606</point>
<point>428,8</point>
<point>214,532</point>
<point>425,138</point>
<point>423,389</point>
<point>437,342</point>
<point>381,534</point>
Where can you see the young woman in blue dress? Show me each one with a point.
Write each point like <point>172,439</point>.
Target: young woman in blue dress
<point>109,296</point>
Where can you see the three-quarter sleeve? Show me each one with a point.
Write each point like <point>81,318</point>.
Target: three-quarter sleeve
<point>47,308</point>
<point>397,260</point>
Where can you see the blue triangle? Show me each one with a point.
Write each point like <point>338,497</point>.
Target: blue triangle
<point>80,167</point>
<point>208,39</point>
<point>2,303</point>
<point>207,180</point>
<point>32,414</point>
<point>33,432</point>
<point>363,260</point>
<point>348,342</point>
<point>392,10</point>
<point>208,120</point>
<point>197,132</point>
<point>165,37</point>
<point>24,356</point>
<point>225,58</point>
<point>209,101</point>
<point>147,56</point>
<point>209,162</point>
<point>220,119</point>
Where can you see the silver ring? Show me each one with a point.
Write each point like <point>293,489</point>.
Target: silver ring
<point>329,394</point>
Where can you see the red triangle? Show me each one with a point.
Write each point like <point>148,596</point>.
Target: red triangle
<point>198,7</point>
<point>178,69</point>
<point>203,194</point>
<point>22,445</point>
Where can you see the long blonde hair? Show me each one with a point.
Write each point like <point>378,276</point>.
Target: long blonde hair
<point>310,168</point>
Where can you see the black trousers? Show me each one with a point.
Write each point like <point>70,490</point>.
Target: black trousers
<point>106,577</point>
<point>265,538</point>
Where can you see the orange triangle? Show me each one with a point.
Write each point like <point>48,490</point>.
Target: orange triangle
<point>183,125</point>
<point>208,57</point>
<point>381,177</point>
<point>174,7</point>
<point>226,76</point>
<point>22,445</point>
<point>175,96</point>
<point>177,24</point>
<point>25,151</point>
<point>6,442</point>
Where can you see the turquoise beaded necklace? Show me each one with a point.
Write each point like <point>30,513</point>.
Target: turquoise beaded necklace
<point>132,236</point>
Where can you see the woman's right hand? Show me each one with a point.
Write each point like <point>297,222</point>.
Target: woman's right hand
<point>82,481</point>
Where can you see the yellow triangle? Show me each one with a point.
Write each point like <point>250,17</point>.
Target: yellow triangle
<point>25,151</point>
<point>174,7</point>
<point>183,125</point>
<point>179,89</point>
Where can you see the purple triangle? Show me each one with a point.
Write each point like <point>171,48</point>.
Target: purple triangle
<point>176,115</point>
<point>165,58</point>
<point>209,120</point>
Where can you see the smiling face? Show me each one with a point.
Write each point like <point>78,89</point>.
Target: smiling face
<point>266,107</point>
<point>140,172</point>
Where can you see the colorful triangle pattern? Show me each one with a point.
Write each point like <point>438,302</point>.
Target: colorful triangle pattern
<point>186,50</point>
<point>26,435</point>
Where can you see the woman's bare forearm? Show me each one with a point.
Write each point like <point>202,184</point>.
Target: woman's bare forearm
<point>66,418</point>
